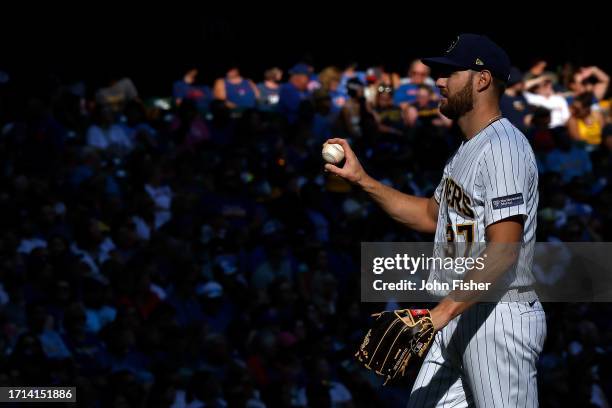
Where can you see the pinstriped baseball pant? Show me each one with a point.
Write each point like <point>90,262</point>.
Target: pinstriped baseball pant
<point>484,358</point>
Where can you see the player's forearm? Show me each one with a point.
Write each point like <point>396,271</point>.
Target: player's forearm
<point>499,258</point>
<point>409,210</point>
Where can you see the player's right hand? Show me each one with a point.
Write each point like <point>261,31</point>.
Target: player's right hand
<point>351,170</point>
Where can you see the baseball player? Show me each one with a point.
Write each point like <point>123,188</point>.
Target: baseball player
<point>483,354</point>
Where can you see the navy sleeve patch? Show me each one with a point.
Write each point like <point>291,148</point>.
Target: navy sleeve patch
<point>507,201</point>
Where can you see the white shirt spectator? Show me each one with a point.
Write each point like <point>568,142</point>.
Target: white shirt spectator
<point>27,245</point>
<point>103,139</point>
<point>556,104</point>
<point>162,197</point>
<point>143,230</point>
<point>102,255</point>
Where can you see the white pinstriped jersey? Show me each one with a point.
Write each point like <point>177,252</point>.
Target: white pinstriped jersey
<point>492,176</point>
<point>486,357</point>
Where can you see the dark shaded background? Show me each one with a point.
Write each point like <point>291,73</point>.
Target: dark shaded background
<point>277,345</point>
<point>153,45</point>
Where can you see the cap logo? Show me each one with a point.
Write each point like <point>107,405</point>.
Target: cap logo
<point>453,44</point>
<point>479,61</point>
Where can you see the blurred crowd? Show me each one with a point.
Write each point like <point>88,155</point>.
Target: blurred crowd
<point>189,251</point>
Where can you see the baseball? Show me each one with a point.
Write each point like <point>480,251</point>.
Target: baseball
<point>333,153</point>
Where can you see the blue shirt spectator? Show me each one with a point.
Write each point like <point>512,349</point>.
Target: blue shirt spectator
<point>515,108</point>
<point>349,73</point>
<point>241,94</point>
<point>237,92</point>
<point>269,89</point>
<point>406,93</point>
<point>568,159</point>
<point>294,92</point>
<point>513,104</point>
<point>418,74</point>
<point>187,88</point>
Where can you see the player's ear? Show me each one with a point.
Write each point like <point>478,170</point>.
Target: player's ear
<point>484,80</point>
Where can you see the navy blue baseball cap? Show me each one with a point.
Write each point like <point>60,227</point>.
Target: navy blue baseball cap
<point>300,69</point>
<point>473,51</point>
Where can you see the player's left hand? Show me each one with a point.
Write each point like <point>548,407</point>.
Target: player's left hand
<point>387,348</point>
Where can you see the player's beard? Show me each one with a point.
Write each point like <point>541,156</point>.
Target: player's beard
<point>459,104</point>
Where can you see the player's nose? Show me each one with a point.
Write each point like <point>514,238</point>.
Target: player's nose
<point>441,83</point>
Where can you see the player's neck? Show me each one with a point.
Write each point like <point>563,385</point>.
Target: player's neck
<point>473,122</point>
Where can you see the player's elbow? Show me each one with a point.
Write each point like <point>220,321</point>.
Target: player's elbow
<point>430,226</point>
<point>424,225</point>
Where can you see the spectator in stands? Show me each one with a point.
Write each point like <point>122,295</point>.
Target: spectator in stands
<point>540,93</point>
<point>513,104</point>
<point>424,110</point>
<point>189,128</point>
<point>585,125</point>
<point>136,126</point>
<point>324,390</point>
<point>330,82</point>
<point>567,159</point>
<point>590,79</point>
<point>237,92</point>
<point>350,72</point>
<point>540,134</point>
<point>536,68</point>
<point>295,92</point>
<point>389,117</point>
<point>116,94</point>
<point>189,88</point>
<point>418,73</point>
<point>602,156</point>
<point>377,77</point>
<point>209,271</point>
<point>355,116</point>
<point>106,135</point>
<point>269,89</point>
